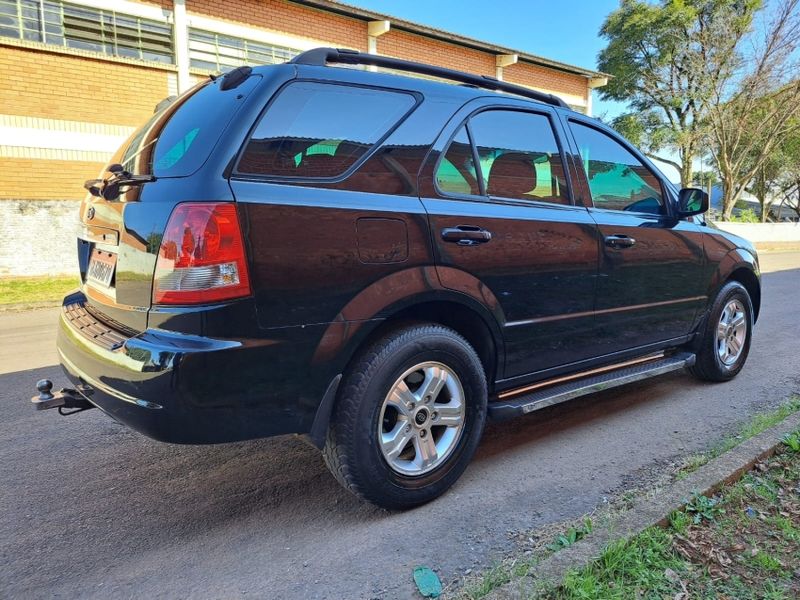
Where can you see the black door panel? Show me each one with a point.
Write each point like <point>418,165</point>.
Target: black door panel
<point>652,270</point>
<point>504,217</point>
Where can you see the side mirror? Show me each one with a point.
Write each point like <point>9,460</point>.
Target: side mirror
<point>692,201</point>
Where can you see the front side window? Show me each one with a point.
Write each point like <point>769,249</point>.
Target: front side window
<point>519,156</point>
<point>318,130</point>
<point>617,179</point>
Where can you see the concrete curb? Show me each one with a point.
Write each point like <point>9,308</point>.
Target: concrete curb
<point>646,511</point>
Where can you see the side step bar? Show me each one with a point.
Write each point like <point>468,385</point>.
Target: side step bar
<point>555,394</point>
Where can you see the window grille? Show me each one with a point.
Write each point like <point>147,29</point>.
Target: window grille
<point>72,26</point>
<point>215,52</point>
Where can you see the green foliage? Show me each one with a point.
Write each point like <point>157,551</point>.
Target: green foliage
<point>734,556</point>
<point>654,53</point>
<point>792,441</point>
<point>680,521</point>
<point>703,179</point>
<point>767,562</point>
<point>746,215</point>
<point>573,534</point>
<point>625,568</point>
<point>650,46</point>
<point>702,508</point>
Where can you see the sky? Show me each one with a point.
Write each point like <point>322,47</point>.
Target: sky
<point>566,31</point>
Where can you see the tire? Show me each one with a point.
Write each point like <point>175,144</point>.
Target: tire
<point>365,448</point>
<point>723,348</point>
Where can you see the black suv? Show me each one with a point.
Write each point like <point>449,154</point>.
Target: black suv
<point>379,263</point>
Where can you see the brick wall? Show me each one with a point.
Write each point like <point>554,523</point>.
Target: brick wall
<point>546,79</point>
<point>38,179</point>
<point>420,49</point>
<point>284,17</point>
<point>38,83</point>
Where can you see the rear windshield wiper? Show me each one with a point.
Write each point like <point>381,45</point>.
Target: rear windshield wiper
<point>109,188</point>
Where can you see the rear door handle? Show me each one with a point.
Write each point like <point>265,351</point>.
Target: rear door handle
<point>619,241</point>
<point>466,235</point>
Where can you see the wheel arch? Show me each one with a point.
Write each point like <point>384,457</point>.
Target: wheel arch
<point>458,315</point>
<point>747,277</point>
<point>451,309</point>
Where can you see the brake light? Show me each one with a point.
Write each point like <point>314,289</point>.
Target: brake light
<point>202,257</point>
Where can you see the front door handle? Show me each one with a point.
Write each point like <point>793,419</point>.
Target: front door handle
<point>619,241</point>
<point>466,235</point>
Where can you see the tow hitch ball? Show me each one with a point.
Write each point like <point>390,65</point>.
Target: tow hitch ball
<point>63,399</point>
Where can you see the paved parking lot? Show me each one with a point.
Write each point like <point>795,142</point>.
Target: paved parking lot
<point>91,509</point>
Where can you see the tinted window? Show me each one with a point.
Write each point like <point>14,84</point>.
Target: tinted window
<point>519,156</point>
<point>321,130</point>
<point>177,140</point>
<point>617,179</point>
<point>456,171</point>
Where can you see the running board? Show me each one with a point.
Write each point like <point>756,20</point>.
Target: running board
<point>555,394</point>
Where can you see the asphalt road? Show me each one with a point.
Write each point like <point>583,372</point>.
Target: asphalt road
<point>90,509</point>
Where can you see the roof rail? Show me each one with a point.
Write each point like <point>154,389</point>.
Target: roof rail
<point>322,56</point>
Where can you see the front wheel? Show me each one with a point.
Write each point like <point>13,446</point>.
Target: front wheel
<point>726,334</point>
<point>409,416</point>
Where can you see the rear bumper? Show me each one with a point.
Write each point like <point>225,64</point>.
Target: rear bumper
<point>187,389</point>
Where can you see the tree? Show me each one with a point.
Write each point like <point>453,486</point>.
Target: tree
<point>778,173</point>
<point>753,101</point>
<point>651,53</point>
<point>789,179</point>
<point>704,179</point>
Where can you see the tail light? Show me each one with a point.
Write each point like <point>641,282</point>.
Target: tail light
<point>202,257</point>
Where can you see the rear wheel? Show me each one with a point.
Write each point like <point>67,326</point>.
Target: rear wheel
<point>409,417</point>
<point>725,337</point>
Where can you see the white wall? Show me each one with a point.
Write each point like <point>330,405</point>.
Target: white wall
<point>763,232</point>
<point>38,237</point>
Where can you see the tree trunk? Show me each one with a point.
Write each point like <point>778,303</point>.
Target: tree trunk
<point>730,196</point>
<point>686,173</point>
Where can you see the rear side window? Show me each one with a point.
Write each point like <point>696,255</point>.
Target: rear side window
<point>456,172</point>
<point>320,130</point>
<point>518,158</point>
<point>617,179</point>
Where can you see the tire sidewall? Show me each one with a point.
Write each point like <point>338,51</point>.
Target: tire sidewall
<point>732,290</point>
<point>443,347</point>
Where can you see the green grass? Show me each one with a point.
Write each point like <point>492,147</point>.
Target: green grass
<point>31,290</point>
<point>746,547</point>
<point>752,428</point>
<point>627,570</point>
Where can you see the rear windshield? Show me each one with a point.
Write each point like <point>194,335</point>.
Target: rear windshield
<point>177,139</point>
<point>317,130</point>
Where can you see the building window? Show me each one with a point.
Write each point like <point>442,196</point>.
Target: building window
<point>71,26</point>
<point>214,52</point>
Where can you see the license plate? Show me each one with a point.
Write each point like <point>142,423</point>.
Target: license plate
<point>101,267</point>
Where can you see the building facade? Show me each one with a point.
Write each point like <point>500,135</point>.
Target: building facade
<point>80,76</point>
